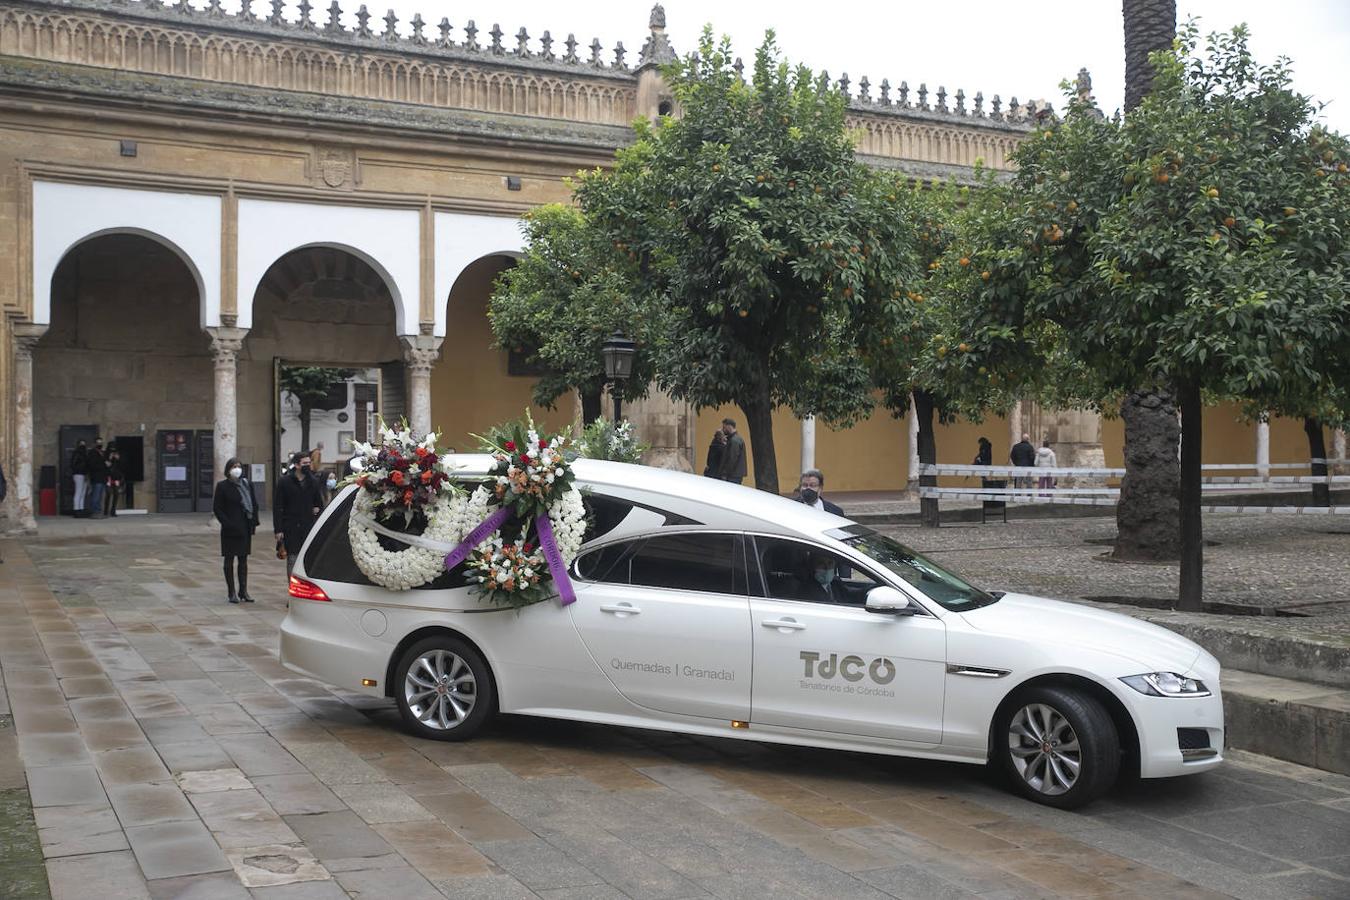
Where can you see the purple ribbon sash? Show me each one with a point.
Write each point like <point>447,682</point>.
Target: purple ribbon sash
<point>476,537</point>
<point>556,568</point>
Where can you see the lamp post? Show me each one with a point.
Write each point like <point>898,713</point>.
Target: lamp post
<point>618,352</point>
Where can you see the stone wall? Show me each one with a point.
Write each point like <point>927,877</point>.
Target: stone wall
<point>125,350</point>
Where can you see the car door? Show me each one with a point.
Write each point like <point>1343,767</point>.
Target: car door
<point>822,662</point>
<point>667,619</point>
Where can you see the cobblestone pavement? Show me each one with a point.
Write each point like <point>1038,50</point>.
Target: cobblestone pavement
<point>166,753</point>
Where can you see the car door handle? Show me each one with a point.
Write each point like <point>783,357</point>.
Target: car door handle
<point>620,608</point>
<point>784,624</point>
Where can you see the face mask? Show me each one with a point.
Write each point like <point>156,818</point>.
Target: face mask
<point>810,496</point>
<point>305,467</point>
<point>332,483</point>
<point>236,472</point>
<point>824,576</point>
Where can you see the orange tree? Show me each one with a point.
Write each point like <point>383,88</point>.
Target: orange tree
<point>562,300</point>
<point>1197,244</point>
<point>753,226</point>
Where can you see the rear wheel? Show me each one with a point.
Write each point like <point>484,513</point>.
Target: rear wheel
<point>444,689</point>
<point>1058,746</point>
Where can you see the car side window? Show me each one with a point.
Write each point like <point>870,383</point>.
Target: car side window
<point>795,570</point>
<point>689,562</point>
<point>606,564</point>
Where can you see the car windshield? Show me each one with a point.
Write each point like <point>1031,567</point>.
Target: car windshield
<point>932,580</point>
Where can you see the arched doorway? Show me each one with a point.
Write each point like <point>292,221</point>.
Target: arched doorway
<point>124,357</point>
<point>324,313</point>
<point>476,385</point>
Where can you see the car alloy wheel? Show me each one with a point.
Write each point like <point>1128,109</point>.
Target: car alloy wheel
<point>444,688</point>
<point>1044,749</point>
<point>440,689</point>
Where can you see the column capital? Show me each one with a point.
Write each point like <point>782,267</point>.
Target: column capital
<point>420,352</point>
<point>26,336</point>
<point>226,343</point>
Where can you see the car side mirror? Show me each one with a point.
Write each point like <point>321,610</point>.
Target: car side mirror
<point>887,601</point>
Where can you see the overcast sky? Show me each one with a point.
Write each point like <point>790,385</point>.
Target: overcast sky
<point>1006,47</point>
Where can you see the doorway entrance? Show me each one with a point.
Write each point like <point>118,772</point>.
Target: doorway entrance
<point>323,409</point>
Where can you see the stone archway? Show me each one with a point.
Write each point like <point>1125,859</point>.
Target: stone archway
<point>124,350</point>
<point>320,306</point>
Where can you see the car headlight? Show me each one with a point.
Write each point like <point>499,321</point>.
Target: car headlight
<point>1167,684</point>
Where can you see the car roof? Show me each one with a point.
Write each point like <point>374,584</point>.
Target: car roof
<point>709,501</point>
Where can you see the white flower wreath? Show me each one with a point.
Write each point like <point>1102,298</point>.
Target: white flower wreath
<point>449,520</point>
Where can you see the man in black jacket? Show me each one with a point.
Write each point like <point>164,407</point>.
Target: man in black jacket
<point>96,466</point>
<point>808,492</point>
<point>1023,454</point>
<point>296,503</point>
<point>733,457</point>
<point>79,474</point>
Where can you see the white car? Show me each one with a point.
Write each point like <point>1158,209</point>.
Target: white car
<point>711,608</point>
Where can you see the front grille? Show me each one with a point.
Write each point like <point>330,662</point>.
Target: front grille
<point>1192,739</point>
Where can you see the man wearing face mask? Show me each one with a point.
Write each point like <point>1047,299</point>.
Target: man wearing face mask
<point>825,586</point>
<point>808,492</point>
<point>236,509</point>
<point>296,504</point>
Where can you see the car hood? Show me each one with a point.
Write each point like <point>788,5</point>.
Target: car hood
<point>1060,624</point>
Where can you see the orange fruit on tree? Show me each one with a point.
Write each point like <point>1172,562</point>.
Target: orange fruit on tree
<point>963,347</point>
<point>965,260</point>
<point>1230,221</point>
<point>1162,178</point>
<point>985,274</point>
<point>1212,193</point>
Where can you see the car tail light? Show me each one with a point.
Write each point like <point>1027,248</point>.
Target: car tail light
<point>306,590</point>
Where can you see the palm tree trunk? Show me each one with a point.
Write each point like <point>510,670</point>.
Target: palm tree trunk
<point>1149,25</point>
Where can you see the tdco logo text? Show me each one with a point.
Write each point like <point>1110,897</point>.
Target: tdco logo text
<point>851,668</point>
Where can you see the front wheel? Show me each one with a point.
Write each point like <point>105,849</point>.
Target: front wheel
<point>1058,746</point>
<point>444,689</point>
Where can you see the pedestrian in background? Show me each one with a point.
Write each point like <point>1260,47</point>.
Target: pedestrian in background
<point>79,473</point>
<point>96,469</point>
<point>1045,459</point>
<point>296,504</point>
<point>715,450</point>
<point>985,455</point>
<point>235,506</point>
<point>115,477</point>
<point>808,491</point>
<point>733,456</point>
<point>1023,455</point>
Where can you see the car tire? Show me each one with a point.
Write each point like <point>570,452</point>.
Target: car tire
<point>1083,757</point>
<point>444,689</point>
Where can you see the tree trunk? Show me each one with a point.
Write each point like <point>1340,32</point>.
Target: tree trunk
<point>1317,449</point>
<point>305,410</point>
<point>758,409</point>
<point>1149,25</point>
<point>1148,515</point>
<point>1190,597</point>
<point>929,516</point>
<point>592,399</point>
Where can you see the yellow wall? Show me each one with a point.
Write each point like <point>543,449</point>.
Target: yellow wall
<point>470,389</point>
<point>1227,438</point>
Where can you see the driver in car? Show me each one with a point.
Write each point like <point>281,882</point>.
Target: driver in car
<point>825,586</point>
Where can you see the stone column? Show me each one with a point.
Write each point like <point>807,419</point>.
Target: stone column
<point>808,443</point>
<point>912,421</point>
<point>1338,444</point>
<point>1263,448</point>
<point>667,426</point>
<point>26,336</point>
<point>226,343</point>
<point>420,352</point>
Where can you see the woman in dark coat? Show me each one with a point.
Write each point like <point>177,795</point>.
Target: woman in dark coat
<point>236,509</point>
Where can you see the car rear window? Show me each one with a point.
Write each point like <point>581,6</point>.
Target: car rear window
<point>329,557</point>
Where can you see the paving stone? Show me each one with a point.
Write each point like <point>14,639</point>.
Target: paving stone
<point>133,765</point>
<point>150,804</point>
<point>213,780</point>
<point>1298,830</point>
<point>173,730</point>
<point>112,735</point>
<point>199,887</point>
<point>176,848</point>
<point>404,883</point>
<point>332,763</point>
<point>538,865</point>
<point>87,686</point>
<point>78,830</point>
<point>115,874</point>
<point>434,850</point>
<point>913,881</point>
<point>381,803</point>
<point>312,890</point>
<point>297,794</point>
<point>338,835</point>
<point>274,865</point>
<point>241,819</point>
<point>66,786</point>
<point>53,750</point>
<point>259,754</point>
<point>484,887</point>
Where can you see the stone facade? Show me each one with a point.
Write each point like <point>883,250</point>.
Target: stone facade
<point>456,129</point>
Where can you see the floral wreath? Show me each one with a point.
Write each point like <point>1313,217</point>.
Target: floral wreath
<point>519,531</point>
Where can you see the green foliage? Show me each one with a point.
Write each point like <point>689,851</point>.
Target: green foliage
<point>603,439</point>
<point>1201,241</point>
<point>570,291</point>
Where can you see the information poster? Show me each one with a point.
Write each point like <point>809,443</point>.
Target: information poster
<point>173,464</point>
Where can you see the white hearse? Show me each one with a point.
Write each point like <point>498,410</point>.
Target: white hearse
<point>711,608</point>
